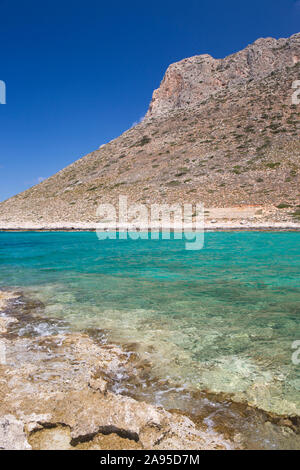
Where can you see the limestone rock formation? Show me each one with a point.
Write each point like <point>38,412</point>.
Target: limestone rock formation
<point>191,81</point>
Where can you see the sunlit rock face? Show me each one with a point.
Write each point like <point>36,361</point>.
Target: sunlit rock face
<point>191,81</point>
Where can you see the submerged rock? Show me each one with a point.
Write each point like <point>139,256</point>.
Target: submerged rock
<point>54,394</point>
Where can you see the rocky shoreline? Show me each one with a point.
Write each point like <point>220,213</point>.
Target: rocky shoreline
<point>72,390</point>
<point>235,218</point>
<point>54,395</point>
<point>213,225</point>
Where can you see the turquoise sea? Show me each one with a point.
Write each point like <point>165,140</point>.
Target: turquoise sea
<point>222,319</point>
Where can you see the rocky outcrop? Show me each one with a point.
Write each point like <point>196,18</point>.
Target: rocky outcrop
<point>54,395</point>
<point>191,81</point>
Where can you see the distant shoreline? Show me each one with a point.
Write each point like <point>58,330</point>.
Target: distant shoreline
<point>271,227</point>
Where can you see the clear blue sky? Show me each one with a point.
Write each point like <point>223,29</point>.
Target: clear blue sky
<point>79,73</point>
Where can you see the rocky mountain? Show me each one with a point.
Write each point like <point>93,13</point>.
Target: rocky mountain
<point>193,80</point>
<point>219,131</point>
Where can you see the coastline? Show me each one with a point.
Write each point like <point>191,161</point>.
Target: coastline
<point>45,380</point>
<point>212,226</point>
<point>61,371</point>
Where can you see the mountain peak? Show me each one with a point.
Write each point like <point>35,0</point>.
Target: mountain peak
<point>191,81</point>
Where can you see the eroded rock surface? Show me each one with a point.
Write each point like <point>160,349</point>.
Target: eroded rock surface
<point>53,395</point>
<point>190,81</point>
<point>223,132</point>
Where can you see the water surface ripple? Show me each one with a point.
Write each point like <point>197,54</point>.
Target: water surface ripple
<point>222,319</point>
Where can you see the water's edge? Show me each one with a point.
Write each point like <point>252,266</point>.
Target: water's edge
<point>240,423</point>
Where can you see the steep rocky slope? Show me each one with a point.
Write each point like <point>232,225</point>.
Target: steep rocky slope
<point>221,132</point>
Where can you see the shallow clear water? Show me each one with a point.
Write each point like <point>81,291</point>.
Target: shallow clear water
<point>222,319</point>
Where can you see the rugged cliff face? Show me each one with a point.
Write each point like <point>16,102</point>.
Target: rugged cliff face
<point>222,132</point>
<point>190,81</point>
